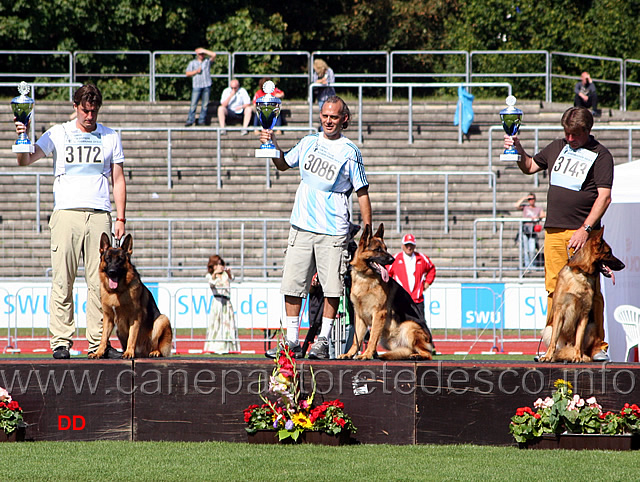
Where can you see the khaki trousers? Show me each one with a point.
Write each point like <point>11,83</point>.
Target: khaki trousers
<point>75,234</point>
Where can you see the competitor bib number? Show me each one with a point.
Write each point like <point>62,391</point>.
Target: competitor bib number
<point>571,168</point>
<point>319,167</point>
<point>83,154</point>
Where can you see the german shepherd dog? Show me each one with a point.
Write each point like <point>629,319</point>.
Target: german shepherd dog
<point>568,334</point>
<point>129,305</point>
<point>380,305</point>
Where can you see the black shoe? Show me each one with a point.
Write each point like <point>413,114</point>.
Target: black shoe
<point>188,124</point>
<point>294,346</point>
<point>110,353</point>
<point>320,349</point>
<point>61,353</point>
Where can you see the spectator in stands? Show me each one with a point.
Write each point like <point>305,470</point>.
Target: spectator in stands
<point>580,179</point>
<point>323,74</point>
<point>81,212</point>
<point>585,94</point>
<point>235,106</point>
<point>331,169</point>
<point>414,271</point>
<point>199,69</point>
<point>222,331</point>
<point>259,93</point>
<point>527,204</point>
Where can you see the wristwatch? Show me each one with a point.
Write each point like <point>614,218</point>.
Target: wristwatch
<point>587,228</point>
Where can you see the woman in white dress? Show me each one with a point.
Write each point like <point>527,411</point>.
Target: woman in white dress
<point>222,332</point>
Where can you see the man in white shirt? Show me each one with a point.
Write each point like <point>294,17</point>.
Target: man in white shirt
<point>235,106</point>
<point>331,169</point>
<point>86,155</point>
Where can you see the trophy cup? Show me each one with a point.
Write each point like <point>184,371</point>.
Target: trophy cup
<point>22,107</point>
<point>268,108</point>
<point>511,118</point>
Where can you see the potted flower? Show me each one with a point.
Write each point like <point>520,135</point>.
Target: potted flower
<point>290,414</point>
<point>566,420</point>
<point>11,421</point>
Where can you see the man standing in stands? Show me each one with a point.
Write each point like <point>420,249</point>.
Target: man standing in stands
<point>331,169</point>
<point>199,69</point>
<point>414,271</point>
<point>81,212</point>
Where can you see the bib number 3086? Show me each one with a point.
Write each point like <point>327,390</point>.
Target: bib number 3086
<point>319,167</point>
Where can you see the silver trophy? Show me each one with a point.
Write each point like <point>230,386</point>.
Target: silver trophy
<point>268,108</point>
<point>511,118</point>
<point>22,107</point>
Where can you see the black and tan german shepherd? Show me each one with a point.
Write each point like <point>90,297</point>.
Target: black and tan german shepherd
<point>569,335</point>
<point>383,306</point>
<point>129,305</point>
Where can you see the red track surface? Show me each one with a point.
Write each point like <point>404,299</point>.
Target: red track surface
<point>449,347</point>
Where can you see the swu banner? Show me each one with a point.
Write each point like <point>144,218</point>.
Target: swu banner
<point>25,304</point>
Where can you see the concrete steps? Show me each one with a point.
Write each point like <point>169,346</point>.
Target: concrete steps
<point>244,194</point>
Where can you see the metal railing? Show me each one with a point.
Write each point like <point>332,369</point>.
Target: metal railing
<point>545,74</point>
<point>446,175</point>
<point>155,75</point>
<point>620,82</point>
<point>409,86</point>
<point>500,266</point>
<point>391,70</point>
<point>536,138</point>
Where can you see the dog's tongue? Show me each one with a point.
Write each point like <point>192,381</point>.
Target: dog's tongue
<point>384,274</point>
<point>113,284</point>
<point>609,272</point>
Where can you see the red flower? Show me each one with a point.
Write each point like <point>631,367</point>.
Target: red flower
<point>520,412</point>
<point>537,415</point>
<point>3,405</point>
<point>339,421</point>
<point>336,403</point>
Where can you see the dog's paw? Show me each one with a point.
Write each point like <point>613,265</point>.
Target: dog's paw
<point>128,355</point>
<point>155,354</point>
<point>345,356</point>
<point>364,356</point>
<point>544,359</point>
<point>95,354</point>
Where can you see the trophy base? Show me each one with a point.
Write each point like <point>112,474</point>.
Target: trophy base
<point>20,148</point>
<point>510,157</point>
<point>272,153</point>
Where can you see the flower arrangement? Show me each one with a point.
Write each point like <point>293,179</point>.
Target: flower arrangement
<point>10,413</point>
<point>291,413</point>
<point>566,412</point>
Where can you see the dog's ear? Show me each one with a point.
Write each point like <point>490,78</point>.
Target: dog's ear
<point>127,244</point>
<point>366,234</point>
<point>380,231</point>
<point>105,242</point>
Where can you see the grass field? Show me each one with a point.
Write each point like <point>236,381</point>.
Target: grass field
<point>168,461</point>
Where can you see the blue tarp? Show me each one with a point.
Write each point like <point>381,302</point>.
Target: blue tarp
<point>465,106</point>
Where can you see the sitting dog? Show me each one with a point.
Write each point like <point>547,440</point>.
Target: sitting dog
<point>383,306</point>
<point>129,305</point>
<point>568,334</point>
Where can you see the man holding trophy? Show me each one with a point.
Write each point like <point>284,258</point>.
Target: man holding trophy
<point>331,169</point>
<point>580,179</point>
<point>86,155</point>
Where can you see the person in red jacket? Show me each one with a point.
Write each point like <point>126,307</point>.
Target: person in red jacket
<point>414,271</point>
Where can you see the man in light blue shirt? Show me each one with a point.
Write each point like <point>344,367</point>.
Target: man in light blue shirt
<point>199,71</point>
<point>331,169</point>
